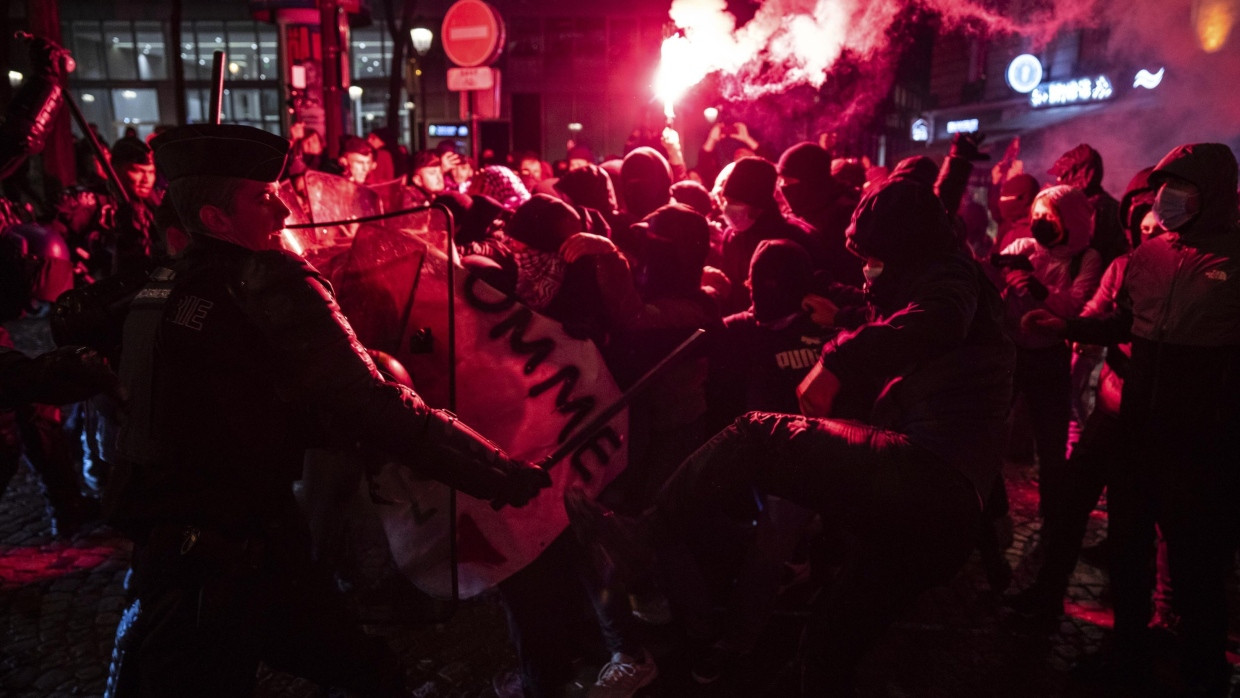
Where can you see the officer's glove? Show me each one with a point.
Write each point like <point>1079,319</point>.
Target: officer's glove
<point>523,482</point>
<point>65,375</point>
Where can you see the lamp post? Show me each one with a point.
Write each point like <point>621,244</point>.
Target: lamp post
<point>421,38</point>
<point>355,94</point>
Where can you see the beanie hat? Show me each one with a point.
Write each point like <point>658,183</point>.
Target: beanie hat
<point>1023,186</point>
<point>779,277</point>
<point>544,223</point>
<point>130,151</point>
<point>752,182</point>
<point>807,162</point>
<point>693,195</point>
<point>588,186</point>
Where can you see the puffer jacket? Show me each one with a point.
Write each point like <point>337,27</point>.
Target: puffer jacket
<point>1180,305</point>
<point>1070,282</point>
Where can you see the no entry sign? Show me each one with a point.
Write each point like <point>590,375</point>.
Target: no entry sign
<point>473,33</point>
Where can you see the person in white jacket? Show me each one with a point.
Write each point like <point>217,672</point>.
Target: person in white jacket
<point>1065,273</point>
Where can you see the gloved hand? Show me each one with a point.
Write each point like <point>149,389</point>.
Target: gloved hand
<point>965,145</point>
<point>64,375</point>
<point>1025,281</point>
<point>523,482</point>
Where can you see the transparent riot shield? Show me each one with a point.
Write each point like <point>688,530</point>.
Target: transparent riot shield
<point>520,380</point>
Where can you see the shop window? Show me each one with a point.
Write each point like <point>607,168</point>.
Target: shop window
<point>119,51</point>
<point>370,53</point>
<point>243,51</point>
<point>137,108</point>
<point>86,43</point>
<point>151,51</point>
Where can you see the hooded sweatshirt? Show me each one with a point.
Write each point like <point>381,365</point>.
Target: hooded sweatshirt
<point>1081,167</point>
<point>1070,281</point>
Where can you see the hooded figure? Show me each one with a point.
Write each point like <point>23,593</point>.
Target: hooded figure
<point>646,180</point>
<point>1179,415</point>
<point>1081,167</point>
<point>931,445</point>
<point>1015,202</point>
<point>1064,265</point>
<point>752,215</point>
<point>824,204</point>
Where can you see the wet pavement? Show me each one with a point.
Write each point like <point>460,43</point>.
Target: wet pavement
<point>60,602</point>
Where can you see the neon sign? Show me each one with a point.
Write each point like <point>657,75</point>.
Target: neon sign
<point>962,126</point>
<point>920,131</point>
<point>1024,73</point>
<point>1147,79</point>
<point>1077,91</point>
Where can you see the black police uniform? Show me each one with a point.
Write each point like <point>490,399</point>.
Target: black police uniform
<point>235,361</point>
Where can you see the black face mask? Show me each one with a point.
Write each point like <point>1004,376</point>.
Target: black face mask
<point>1045,232</point>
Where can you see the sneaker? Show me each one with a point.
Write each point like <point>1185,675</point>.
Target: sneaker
<point>623,676</point>
<point>507,684</point>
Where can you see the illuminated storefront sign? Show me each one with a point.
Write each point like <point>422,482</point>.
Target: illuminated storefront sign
<point>1147,79</point>
<point>920,131</point>
<point>1078,91</point>
<point>1024,73</point>
<point>962,126</point>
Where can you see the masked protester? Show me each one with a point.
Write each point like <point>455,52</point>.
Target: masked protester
<point>823,204</point>
<point>932,444</point>
<point>1098,452</point>
<point>1063,274</point>
<point>1081,167</point>
<point>235,359</point>
<point>1014,208</point>
<point>752,215</point>
<point>1178,418</point>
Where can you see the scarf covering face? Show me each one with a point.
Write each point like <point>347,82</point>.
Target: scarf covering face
<point>539,277</point>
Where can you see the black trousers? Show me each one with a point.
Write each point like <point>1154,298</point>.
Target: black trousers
<point>203,616</point>
<point>910,518</point>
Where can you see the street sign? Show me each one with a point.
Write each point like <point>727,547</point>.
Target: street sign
<point>473,33</point>
<point>461,79</point>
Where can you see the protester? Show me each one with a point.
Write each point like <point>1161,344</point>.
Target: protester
<point>823,204</point>
<point>1178,305</point>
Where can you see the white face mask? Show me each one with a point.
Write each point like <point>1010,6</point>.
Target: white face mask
<point>872,269</point>
<point>1175,206</point>
<point>737,217</point>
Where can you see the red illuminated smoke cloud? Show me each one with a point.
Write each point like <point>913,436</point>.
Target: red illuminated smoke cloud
<point>796,42</point>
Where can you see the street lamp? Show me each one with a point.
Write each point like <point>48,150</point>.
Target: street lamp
<point>355,93</point>
<point>421,38</point>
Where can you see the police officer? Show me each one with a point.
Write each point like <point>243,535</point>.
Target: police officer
<point>236,357</point>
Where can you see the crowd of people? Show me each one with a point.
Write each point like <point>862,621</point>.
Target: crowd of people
<point>851,411</point>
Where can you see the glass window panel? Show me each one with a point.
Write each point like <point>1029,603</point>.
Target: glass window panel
<point>243,54</point>
<point>119,51</point>
<point>86,42</point>
<point>136,108</point>
<point>151,51</point>
<point>268,46</point>
<point>367,51</point>
<point>246,105</point>
<point>622,33</point>
<point>96,107</point>
<point>189,53</point>
<point>271,105</point>
<point>210,39</point>
<point>196,105</point>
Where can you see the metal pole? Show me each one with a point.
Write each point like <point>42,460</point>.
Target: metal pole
<point>97,147</point>
<point>329,36</point>
<point>215,108</point>
<point>474,141</point>
<point>421,108</point>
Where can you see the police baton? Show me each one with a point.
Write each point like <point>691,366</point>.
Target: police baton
<point>583,435</point>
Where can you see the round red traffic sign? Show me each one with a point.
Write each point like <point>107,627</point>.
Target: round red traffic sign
<point>473,33</point>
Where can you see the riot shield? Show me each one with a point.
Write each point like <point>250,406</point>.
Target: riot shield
<point>520,380</point>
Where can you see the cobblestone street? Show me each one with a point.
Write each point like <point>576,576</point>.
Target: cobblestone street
<point>61,601</point>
